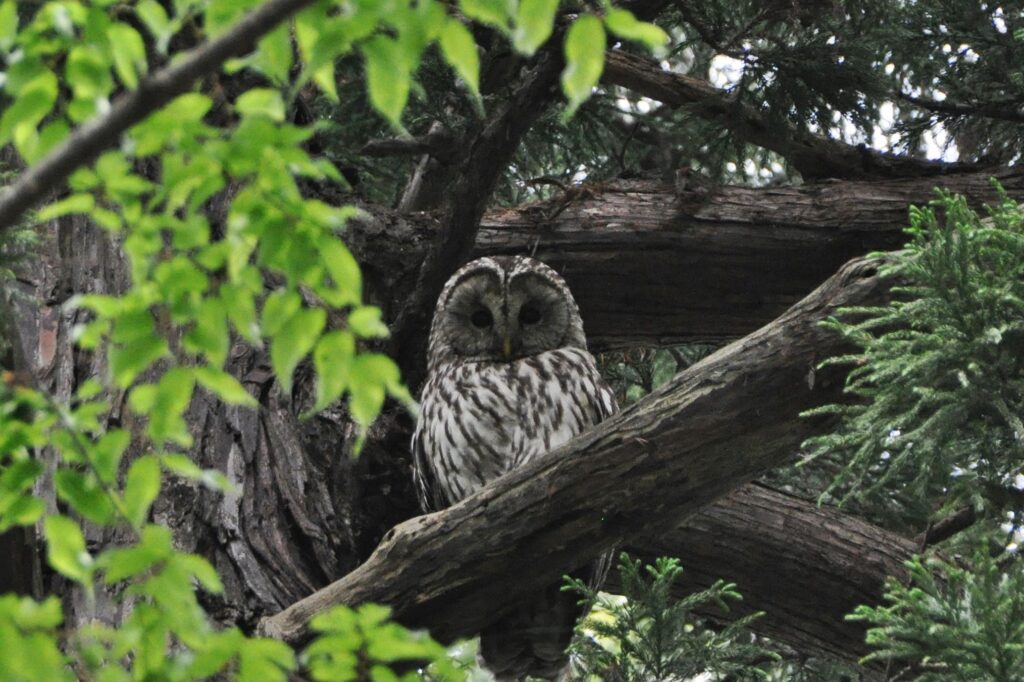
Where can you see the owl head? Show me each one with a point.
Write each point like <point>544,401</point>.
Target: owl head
<point>503,308</point>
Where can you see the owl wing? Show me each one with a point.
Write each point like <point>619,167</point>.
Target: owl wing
<point>604,405</point>
<point>428,491</point>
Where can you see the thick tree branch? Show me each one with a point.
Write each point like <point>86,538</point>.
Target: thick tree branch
<point>805,566</point>
<point>103,132</point>
<point>813,156</point>
<point>652,267</point>
<point>661,460</point>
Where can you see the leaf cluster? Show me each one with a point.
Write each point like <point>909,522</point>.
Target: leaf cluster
<point>937,382</point>
<point>648,634</point>
<point>953,620</point>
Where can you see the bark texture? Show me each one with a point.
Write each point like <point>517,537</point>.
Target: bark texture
<point>805,566</point>
<point>650,266</point>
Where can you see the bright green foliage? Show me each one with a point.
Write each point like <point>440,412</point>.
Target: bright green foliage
<point>28,631</point>
<point>955,623</point>
<point>939,373</point>
<point>584,60</point>
<point>360,643</point>
<point>649,635</point>
<point>265,270</point>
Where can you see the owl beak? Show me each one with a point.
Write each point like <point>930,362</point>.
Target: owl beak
<point>506,347</point>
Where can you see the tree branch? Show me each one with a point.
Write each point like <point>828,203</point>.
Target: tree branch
<point>1008,110</point>
<point>103,132</point>
<point>813,156</point>
<point>805,566</point>
<point>650,267</point>
<point>659,461</point>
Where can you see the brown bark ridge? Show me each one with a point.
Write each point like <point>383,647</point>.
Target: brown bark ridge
<point>649,266</point>
<point>709,430</point>
<point>805,566</point>
<point>814,156</point>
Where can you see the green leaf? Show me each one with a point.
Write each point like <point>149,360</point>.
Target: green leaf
<point>65,549</point>
<point>76,203</point>
<point>107,453</point>
<point>241,308</point>
<point>141,487</point>
<point>34,101</point>
<point>459,50</point>
<point>366,322</point>
<point>8,24</point>
<point>261,102</point>
<point>333,362</point>
<point>20,475</point>
<point>200,569</point>
<point>225,386</point>
<point>50,135</point>
<point>180,465</point>
<point>129,53</point>
<point>343,268</point>
<point>324,78</point>
<point>84,494</point>
<point>155,545</point>
<point>274,57</point>
<point>388,76</point>
<point>584,61</point>
<point>293,341</point>
<point>138,346</point>
<point>88,73</point>
<point>535,20</point>
<point>279,307</point>
<point>155,19</point>
<point>169,401</point>
<point>373,375</point>
<point>496,13</point>
<point>209,335</point>
<point>622,23</point>
<point>265,660</point>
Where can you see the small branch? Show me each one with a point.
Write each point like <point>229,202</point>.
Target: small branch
<point>946,528</point>
<point>813,156</point>
<point>103,132</point>
<point>1008,110</point>
<point>439,143</point>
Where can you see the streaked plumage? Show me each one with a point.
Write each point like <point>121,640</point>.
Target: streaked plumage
<point>509,379</point>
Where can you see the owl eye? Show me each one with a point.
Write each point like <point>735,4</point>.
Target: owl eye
<point>482,318</point>
<point>529,314</point>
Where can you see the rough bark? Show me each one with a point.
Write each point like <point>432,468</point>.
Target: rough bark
<point>805,566</point>
<point>649,266</point>
<point>659,461</point>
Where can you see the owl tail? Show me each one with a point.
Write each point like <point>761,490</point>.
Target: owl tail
<point>531,639</point>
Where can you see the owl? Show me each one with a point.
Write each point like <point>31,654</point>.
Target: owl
<point>509,378</point>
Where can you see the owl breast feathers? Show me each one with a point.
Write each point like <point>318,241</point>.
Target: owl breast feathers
<point>509,379</point>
